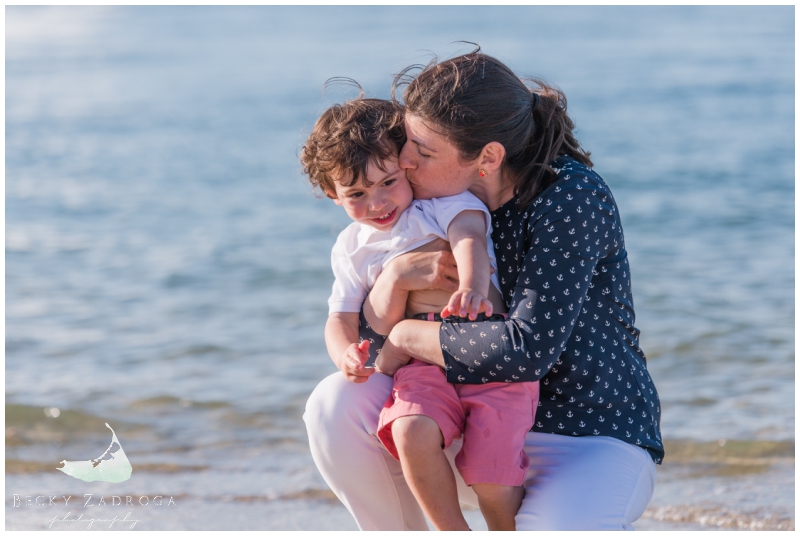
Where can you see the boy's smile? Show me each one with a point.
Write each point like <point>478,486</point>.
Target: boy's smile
<point>380,204</point>
<point>388,218</point>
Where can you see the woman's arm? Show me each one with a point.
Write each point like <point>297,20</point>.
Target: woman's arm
<point>551,286</point>
<point>420,339</point>
<point>409,339</point>
<point>429,266</point>
<point>570,229</point>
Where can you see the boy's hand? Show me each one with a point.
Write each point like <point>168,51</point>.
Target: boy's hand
<point>352,362</point>
<point>467,302</point>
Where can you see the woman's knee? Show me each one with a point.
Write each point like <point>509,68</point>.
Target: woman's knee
<point>336,401</point>
<point>323,393</point>
<point>584,483</point>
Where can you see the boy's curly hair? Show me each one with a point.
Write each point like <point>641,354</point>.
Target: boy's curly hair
<point>347,137</point>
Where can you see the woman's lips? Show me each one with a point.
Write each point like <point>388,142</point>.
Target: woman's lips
<point>387,219</point>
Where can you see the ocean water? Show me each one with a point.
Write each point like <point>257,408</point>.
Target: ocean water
<point>167,266</point>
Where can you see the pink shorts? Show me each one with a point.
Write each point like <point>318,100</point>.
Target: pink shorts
<point>493,417</point>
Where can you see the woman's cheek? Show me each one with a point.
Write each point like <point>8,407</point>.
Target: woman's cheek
<point>425,176</point>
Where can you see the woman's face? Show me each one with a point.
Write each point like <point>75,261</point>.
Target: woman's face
<point>432,164</point>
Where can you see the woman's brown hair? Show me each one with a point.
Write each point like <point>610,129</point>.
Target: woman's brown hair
<point>475,99</point>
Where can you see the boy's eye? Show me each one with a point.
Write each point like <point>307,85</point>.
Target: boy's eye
<point>355,195</point>
<point>389,182</point>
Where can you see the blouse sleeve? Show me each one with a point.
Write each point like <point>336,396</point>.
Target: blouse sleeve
<point>566,235</point>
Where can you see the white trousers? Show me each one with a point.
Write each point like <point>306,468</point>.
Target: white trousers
<point>573,483</point>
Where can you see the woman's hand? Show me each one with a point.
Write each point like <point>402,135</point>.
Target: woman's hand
<point>431,266</point>
<point>352,360</point>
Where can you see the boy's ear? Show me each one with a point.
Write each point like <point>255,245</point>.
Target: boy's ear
<point>492,156</point>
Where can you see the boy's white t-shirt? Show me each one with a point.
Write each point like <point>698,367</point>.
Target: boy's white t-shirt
<point>361,252</point>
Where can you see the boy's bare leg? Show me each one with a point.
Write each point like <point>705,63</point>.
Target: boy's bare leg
<point>428,472</point>
<point>499,504</point>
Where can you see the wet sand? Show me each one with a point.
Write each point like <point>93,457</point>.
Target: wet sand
<point>725,485</point>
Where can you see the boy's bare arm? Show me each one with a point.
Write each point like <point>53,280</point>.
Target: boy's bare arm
<point>383,314</point>
<point>341,338</point>
<point>467,235</point>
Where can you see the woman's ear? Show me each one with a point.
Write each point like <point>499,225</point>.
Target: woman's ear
<point>492,156</point>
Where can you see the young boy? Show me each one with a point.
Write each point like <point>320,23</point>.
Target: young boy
<point>351,155</point>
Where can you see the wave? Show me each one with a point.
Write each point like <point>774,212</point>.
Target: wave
<point>719,517</point>
<point>728,451</point>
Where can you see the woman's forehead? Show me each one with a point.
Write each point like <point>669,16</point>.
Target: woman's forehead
<point>422,133</point>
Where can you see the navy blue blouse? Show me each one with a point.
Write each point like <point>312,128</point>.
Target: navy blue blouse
<point>564,272</point>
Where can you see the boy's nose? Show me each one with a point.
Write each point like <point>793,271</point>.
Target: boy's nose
<point>377,203</point>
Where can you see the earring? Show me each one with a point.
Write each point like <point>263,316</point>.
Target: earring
<point>482,173</point>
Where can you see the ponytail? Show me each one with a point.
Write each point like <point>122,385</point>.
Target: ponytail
<point>551,137</point>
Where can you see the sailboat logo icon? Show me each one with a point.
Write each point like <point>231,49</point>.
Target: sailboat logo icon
<point>112,466</point>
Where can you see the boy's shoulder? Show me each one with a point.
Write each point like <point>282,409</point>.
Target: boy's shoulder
<point>447,208</point>
<point>464,197</point>
<point>458,202</point>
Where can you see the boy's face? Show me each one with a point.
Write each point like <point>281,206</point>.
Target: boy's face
<point>381,204</point>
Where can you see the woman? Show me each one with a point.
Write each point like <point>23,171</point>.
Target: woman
<point>474,125</point>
